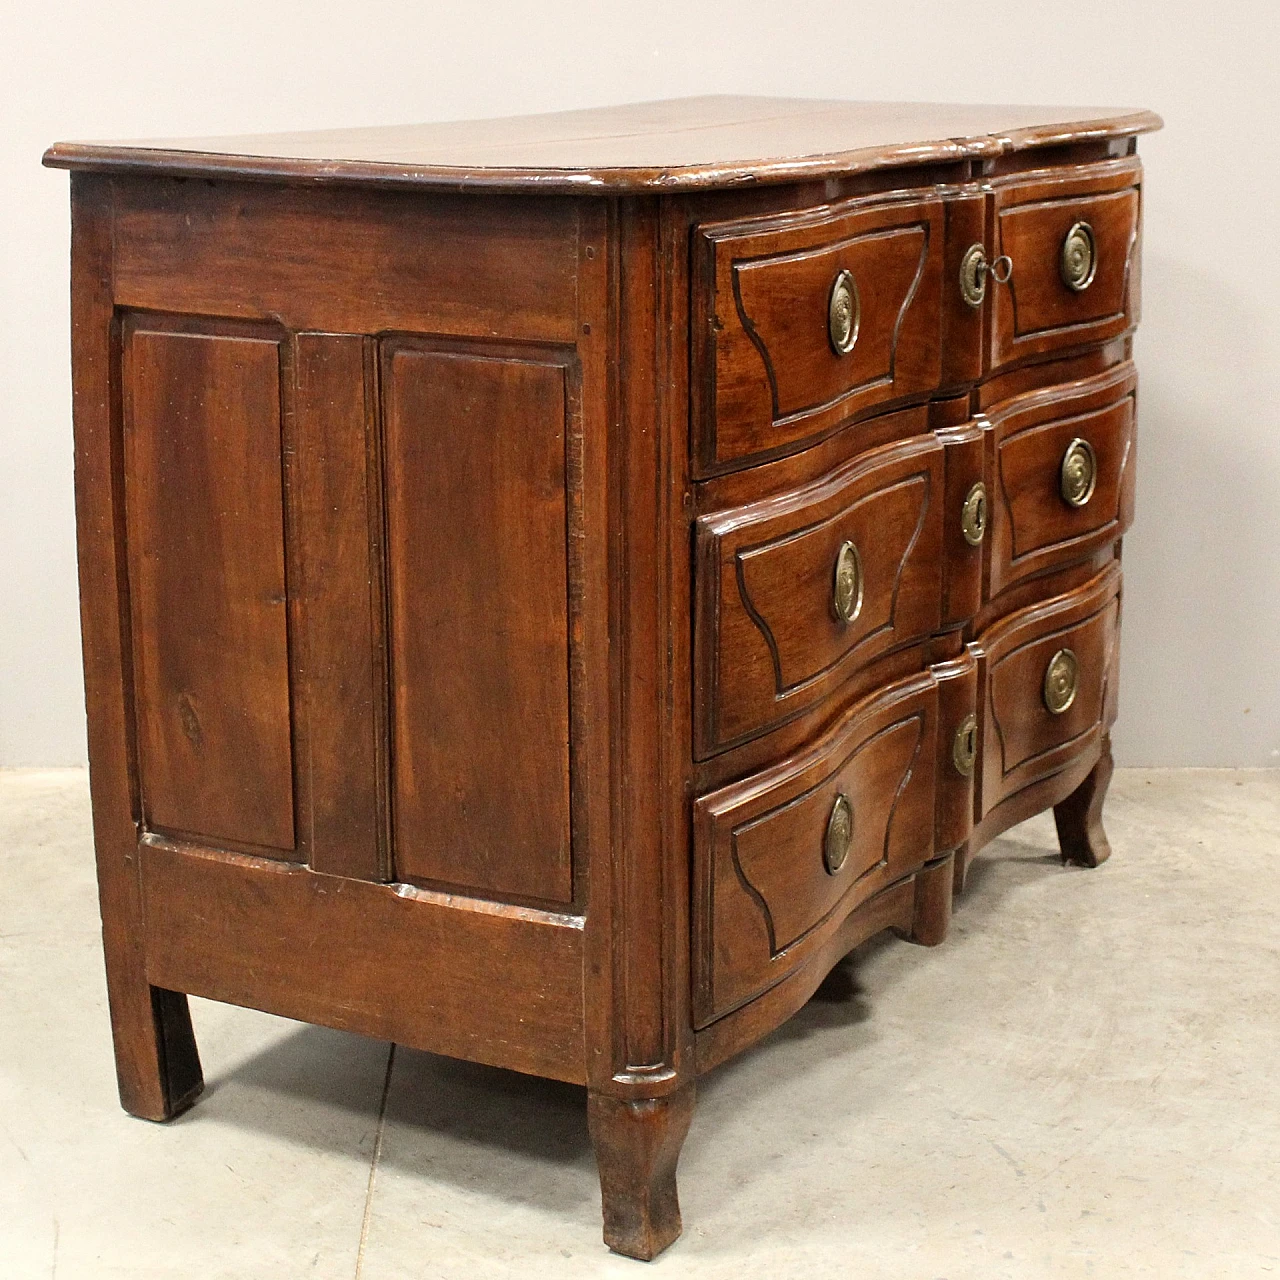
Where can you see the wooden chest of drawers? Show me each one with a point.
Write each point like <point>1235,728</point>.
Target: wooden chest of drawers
<point>552,587</point>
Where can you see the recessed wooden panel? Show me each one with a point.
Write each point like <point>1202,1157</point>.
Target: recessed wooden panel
<point>205,530</point>
<point>477,566</point>
<point>763,886</point>
<point>1037,313</point>
<point>771,377</point>
<point>768,641</point>
<point>1033,528</point>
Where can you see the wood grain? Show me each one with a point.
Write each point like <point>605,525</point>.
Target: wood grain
<point>770,376</point>
<point>473,979</point>
<point>478,564</point>
<point>205,516</point>
<point>683,144</point>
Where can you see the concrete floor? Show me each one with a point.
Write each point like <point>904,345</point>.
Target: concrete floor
<point>1082,1081</point>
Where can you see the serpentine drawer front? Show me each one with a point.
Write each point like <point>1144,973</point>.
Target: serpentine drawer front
<point>591,571</point>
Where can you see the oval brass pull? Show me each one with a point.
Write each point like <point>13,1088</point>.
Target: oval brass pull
<point>1061,677</point>
<point>964,746</point>
<point>973,515</point>
<point>846,591</point>
<point>844,312</point>
<point>1078,262</point>
<point>839,837</point>
<point>1078,475</point>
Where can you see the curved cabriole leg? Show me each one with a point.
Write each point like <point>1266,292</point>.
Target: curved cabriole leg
<point>637,1146</point>
<point>1079,816</point>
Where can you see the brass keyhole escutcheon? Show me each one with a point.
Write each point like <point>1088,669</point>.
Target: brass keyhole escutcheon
<point>973,515</point>
<point>1061,677</point>
<point>964,747</point>
<point>1079,260</point>
<point>846,591</point>
<point>844,312</point>
<point>1078,476</point>
<point>973,275</point>
<point>839,837</point>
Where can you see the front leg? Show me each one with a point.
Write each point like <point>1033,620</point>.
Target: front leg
<point>637,1146</point>
<point>1079,816</point>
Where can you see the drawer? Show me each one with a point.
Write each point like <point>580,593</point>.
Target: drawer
<point>1063,472</point>
<point>1048,675</point>
<point>1073,244</point>
<point>794,592</point>
<point>783,856</point>
<point>804,320</point>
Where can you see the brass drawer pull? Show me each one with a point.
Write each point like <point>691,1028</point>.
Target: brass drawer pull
<point>1079,259</point>
<point>973,515</point>
<point>973,275</point>
<point>964,747</point>
<point>1061,678</point>
<point>975,271</point>
<point>846,592</point>
<point>844,311</point>
<point>1078,476</point>
<point>839,837</point>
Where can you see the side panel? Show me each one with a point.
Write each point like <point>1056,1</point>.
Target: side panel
<point>205,526</point>
<point>477,568</point>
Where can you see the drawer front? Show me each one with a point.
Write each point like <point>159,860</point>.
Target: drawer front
<point>1073,244</point>
<point>802,321</point>
<point>795,592</point>
<point>1049,679</point>
<point>1064,474</point>
<point>782,857</point>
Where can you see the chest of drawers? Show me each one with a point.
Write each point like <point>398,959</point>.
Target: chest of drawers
<point>552,587</point>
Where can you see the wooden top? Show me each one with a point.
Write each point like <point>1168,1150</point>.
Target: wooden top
<point>678,145</point>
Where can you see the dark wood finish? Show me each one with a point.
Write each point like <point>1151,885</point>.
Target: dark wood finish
<point>1079,816</point>
<point>157,1064</point>
<point>475,979</point>
<point>1036,313</point>
<point>205,530</point>
<point>637,1145</point>
<point>762,891</point>
<point>768,639</point>
<point>457,561</point>
<point>339,670</point>
<point>769,375</point>
<point>931,905</point>
<point>478,592</point>
<point>342,261</point>
<point>693,143</point>
<point>1022,740</point>
<point>1032,526</point>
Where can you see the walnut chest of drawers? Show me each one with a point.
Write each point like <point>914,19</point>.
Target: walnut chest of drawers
<point>552,587</point>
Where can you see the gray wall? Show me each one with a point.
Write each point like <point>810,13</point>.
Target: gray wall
<point>1202,608</point>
